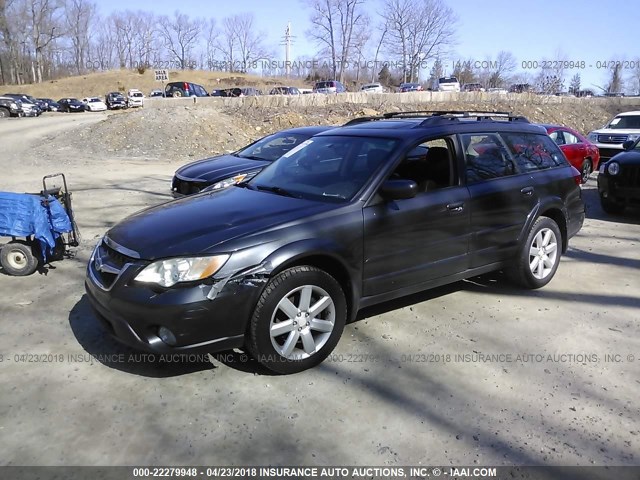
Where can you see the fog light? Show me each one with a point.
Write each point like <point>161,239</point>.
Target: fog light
<point>167,336</point>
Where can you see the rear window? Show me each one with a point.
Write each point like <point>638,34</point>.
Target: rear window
<point>448,80</point>
<point>533,152</point>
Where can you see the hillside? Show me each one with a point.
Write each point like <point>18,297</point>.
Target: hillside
<point>170,131</point>
<point>100,83</point>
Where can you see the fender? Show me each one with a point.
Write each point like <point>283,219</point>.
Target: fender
<point>315,249</point>
<point>550,203</point>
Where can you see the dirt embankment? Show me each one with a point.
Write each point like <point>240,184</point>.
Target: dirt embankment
<point>182,132</point>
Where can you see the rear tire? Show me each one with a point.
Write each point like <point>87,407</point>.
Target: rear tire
<point>539,256</point>
<point>178,93</point>
<point>17,258</point>
<point>298,320</point>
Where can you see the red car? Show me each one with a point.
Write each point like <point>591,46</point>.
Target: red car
<point>580,152</point>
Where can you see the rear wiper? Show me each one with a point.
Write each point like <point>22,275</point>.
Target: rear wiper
<point>277,190</point>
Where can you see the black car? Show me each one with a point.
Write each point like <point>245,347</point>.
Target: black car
<point>30,106</point>
<point>184,89</point>
<point>619,179</point>
<point>50,104</point>
<point>115,101</point>
<point>10,107</point>
<point>284,91</point>
<point>361,214</point>
<point>225,170</point>
<point>71,105</point>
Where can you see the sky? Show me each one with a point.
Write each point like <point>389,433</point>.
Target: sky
<point>586,31</point>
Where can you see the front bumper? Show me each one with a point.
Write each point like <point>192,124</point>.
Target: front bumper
<point>608,150</point>
<point>133,312</point>
<point>620,189</point>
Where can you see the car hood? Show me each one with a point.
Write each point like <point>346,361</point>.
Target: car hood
<point>616,131</point>
<point>218,168</point>
<point>204,222</point>
<point>627,158</point>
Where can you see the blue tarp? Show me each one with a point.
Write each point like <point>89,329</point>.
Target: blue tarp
<point>23,215</point>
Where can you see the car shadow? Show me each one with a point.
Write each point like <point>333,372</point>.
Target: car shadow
<point>102,348</point>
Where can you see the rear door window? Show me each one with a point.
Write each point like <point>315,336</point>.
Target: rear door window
<point>534,151</point>
<point>486,157</point>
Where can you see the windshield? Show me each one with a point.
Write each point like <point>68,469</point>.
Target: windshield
<point>272,147</point>
<point>625,121</point>
<point>325,168</point>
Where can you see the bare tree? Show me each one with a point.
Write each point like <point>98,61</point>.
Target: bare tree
<point>634,77</point>
<point>79,16</point>
<point>418,30</point>
<point>574,86</point>
<point>180,35</point>
<point>45,26</point>
<point>249,41</point>
<point>336,24</point>
<point>615,83</point>
<point>145,45</point>
<point>102,48</point>
<point>211,34</point>
<point>8,38</point>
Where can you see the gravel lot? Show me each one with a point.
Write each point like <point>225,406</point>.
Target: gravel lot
<point>473,373</point>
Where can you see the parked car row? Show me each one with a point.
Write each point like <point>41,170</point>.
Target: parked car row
<point>22,105</point>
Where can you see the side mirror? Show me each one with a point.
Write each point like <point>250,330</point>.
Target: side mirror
<point>628,145</point>
<point>399,189</point>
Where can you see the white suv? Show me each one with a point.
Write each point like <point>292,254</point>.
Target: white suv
<point>448,84</point>
<point>609,139</point>
<point>135,98</point>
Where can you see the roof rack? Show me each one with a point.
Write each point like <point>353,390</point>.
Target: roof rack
<point>442,116</point>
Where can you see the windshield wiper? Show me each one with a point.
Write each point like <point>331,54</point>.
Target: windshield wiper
<point>276,190</point>
<point>251,157</point>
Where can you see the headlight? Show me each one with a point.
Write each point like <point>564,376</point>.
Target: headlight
<point>592,137</point>
<point>227,182</point>
<point>633,137</point>
<point>613,168</point>
<point>14,105</point>
<point>167,273</point>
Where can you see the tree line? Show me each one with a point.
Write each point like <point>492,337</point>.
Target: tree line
<point>404,41</point>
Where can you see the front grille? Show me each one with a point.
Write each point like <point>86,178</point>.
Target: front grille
<point>612,138</point>
<point>629,176</point>
<point>185,187</point>
<point>108,264</point>
<point>115,258</point>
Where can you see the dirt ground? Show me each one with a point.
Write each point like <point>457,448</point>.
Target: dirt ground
<point>475,373</point>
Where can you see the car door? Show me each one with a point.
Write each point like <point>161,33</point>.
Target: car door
<point>501,198</point>
<point>411,241</point>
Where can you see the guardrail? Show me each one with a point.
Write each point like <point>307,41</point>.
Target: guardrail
<point>387,99</point>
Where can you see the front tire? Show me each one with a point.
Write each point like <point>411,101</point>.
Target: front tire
<point>17,259</point>
<point>539,256</point>
<point>586,170</point>
<point>298,320</point>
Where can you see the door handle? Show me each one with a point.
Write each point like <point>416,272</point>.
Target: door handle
<point>527,191</point>
<point>455,207</point>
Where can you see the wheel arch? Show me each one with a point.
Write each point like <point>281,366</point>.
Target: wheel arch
<point>325,259</point>
<point>557,215</point>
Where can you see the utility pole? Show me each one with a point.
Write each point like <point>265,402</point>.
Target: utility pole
<point>288,41</point>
